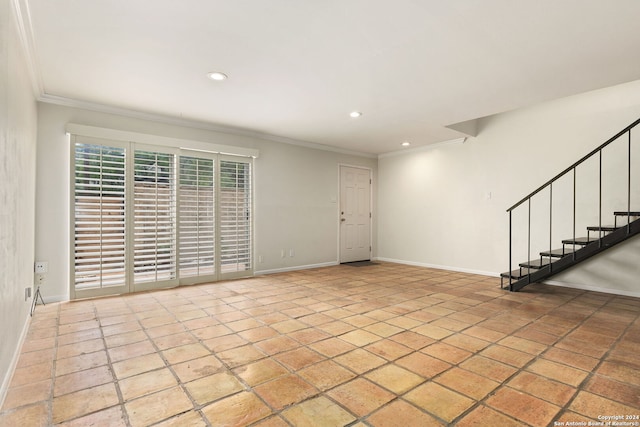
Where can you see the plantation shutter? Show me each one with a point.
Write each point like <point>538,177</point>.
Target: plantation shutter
<point>235,220</point>
<point>147,214</point>
<point>99,216</point>
<point>197,217</point>
<point>154,202</point>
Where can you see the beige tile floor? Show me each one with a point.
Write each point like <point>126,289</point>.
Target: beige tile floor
<point>385,345</point>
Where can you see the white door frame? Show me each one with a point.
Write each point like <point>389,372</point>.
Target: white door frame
<point>339,207</point>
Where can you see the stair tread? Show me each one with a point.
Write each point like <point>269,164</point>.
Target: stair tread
<point>557,253</point>
<point>536,263</point>
<point>578,241</point>
<point>602,228</point>
<point>625,213</point>
<point>516,274</point>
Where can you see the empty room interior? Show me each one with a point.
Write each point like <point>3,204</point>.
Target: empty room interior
<point>303,213</point>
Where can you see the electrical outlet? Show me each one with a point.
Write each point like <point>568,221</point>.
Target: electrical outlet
<point>41,267</point>
<point>291,253</point>
<point>40,279</point>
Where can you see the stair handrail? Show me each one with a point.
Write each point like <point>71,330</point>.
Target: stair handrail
<point>576,164</point>
<point>549,184</point>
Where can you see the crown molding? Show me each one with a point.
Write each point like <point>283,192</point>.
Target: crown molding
<point>22,17</point>
<point>159,118</point>
<point>25,32</point>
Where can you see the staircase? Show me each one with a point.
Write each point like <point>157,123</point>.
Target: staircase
<point>626,223</point>
<point>573,251</point>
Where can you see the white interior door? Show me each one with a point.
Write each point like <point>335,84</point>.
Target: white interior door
<point>355,214</point>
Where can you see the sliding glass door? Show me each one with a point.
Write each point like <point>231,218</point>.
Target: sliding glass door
<point>235,217</point>
<point>154,220</point>
<point>149,217</point>
<point>197,219</point>
<point>99,219</point>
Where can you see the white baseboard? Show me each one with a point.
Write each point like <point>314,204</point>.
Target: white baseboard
<point>593,288</point>
<point>440,267</point>
<point>492,274</point>
<point>6,381</point>
<point>55,298</point>
<point>295,268</point>
<point>455,269</point>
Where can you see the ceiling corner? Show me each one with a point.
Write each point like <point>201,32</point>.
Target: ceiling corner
<point>25,33</point>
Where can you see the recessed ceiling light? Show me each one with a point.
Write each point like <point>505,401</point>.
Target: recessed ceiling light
<point>217,76</point>
<point>406,144</point>
<point>355,114</point>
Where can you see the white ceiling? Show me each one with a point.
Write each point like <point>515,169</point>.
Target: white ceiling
<point>298,67</point>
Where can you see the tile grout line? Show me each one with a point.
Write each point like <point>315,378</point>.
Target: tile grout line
<point>54,365</point>
<point>290,294</point>
<point>601,360</point>
<point>504,383</point>
<point>167,365</point>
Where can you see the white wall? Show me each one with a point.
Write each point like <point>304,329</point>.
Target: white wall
<point>434,205</point>
<point>17,193</point>
<point>615,270</point>
<point>296,193</point>
<point>297,204</point>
